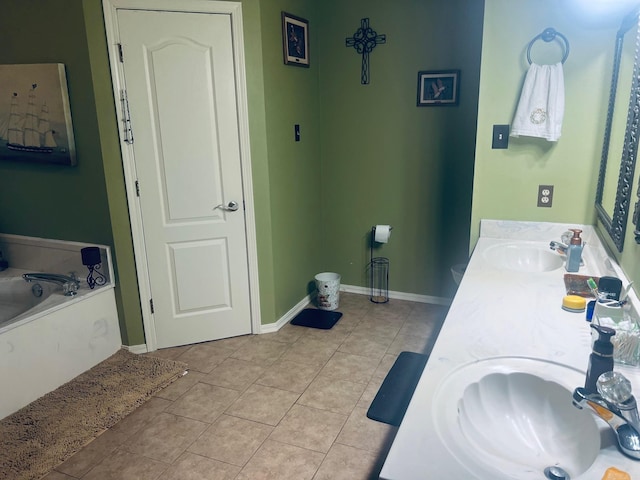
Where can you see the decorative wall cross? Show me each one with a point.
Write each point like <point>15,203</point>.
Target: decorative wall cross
<point>364,41</point>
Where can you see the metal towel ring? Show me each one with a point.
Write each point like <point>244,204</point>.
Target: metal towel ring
<point>548,35</point>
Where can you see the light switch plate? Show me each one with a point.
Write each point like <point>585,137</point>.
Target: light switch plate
<point>500,136</point>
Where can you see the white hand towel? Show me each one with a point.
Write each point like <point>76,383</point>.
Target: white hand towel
<point>541,107</point>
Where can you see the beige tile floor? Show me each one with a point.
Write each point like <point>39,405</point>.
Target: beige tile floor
<point>285,405</point>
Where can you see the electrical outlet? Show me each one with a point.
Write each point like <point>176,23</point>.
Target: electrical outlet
<point>545,195</point>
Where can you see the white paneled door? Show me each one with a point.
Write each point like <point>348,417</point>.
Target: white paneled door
<point>181,94</point>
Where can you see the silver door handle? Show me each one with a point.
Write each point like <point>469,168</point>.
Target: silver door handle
<point>230,207</point>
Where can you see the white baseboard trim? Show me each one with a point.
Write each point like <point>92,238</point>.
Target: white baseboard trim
<point>138,349</point>
<point>411,297</point>
<point>287,317</point>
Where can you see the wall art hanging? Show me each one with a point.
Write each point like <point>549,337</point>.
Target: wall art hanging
<point>295,40</point>
<point>364,41</point>
<point>438,88</point>
<point>35,119</point>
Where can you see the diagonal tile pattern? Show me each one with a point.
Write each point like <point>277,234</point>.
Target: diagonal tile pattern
<point>284,405</point>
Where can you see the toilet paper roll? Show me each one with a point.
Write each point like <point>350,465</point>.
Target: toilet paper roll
<point>383,232</point>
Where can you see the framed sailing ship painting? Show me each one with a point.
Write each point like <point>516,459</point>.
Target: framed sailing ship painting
<point>35,119</point>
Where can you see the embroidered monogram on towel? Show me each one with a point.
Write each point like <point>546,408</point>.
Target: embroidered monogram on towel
<point>541,107</point>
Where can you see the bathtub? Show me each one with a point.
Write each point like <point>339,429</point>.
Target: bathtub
<point>48,339</point>
<point>17,298</point>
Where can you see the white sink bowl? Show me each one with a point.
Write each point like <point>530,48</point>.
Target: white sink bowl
<point>523,257</point>
<point>512,417</point>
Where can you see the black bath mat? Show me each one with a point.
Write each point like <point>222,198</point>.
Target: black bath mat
<point>393,398</point>
<point>316,318</point>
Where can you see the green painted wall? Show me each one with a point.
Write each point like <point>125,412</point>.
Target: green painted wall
<point>368,155</point>
<point>68,203</point>
<point>45,200</point>
<point>291,97</point>
<point>312,198</point>
<point>251,14</point>
<point>271,305</point>
<point>127,298</point>
<point>88,202</point>
<point>386,161</point>
<point>506,181</point>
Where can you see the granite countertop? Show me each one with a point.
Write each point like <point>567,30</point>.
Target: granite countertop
<point>504,313</point>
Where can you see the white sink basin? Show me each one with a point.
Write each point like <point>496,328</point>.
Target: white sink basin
<point>512,417</point>
<point>523,257</point>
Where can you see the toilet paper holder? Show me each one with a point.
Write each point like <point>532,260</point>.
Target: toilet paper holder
<point>384,234</point>
<point>378,271</point>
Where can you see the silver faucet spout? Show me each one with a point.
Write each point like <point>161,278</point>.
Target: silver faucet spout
<point>599,406</point>
<point>69,283</point>
<point>558,246</point>
<point>621,417</point>
<point>563,244</point>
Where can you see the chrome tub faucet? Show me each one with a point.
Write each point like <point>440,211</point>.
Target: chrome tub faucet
<point>69,283</point>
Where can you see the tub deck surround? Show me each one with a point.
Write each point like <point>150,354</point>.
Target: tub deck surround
<point>62,336</point>
<point>53,301</point>
<point>496,313</point>
<point>52,256</point>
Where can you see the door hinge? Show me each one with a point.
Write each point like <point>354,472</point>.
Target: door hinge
<point>151,304</point>
<point>126,117</point>
<point>137,188</point>
<point>120,54</point>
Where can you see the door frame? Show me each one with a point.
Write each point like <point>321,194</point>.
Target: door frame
<point>234,10</point>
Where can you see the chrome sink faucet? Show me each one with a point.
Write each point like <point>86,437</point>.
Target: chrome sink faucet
<point>616,405</point>
<point>69,283</point>
<point>563,244</point>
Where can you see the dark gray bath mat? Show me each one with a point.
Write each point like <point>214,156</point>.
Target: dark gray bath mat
<point>393,398</point>
<point>316,318</point>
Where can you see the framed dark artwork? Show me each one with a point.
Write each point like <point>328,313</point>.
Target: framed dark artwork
<point>35,118</point>
<point>438,88</point>
<point>295,40</point>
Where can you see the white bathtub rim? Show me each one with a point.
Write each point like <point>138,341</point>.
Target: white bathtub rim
<point>55,302</point>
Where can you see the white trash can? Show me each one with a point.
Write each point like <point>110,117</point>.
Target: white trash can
<point>328,286</point>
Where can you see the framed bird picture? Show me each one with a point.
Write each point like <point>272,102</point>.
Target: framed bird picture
<point>438,88</point>
<point>295,40</point>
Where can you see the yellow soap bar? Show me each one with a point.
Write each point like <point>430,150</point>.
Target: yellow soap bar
<point>613,473</point>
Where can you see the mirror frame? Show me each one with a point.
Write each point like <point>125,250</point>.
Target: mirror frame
<point>616,225</point>
<point>634,106</point>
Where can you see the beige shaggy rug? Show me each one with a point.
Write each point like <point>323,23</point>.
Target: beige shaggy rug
<point>48,431</point>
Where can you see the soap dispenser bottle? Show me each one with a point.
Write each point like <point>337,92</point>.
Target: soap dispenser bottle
<point>574,251</point>
<point>601,358</point>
